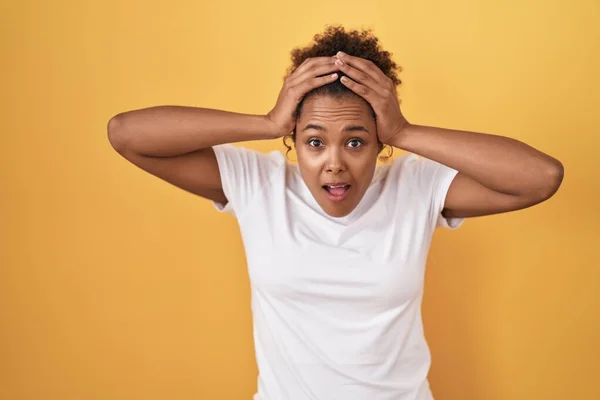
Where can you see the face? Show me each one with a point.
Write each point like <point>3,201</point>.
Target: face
<point>337,147</point>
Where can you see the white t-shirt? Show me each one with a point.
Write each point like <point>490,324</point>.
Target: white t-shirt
<point>336,302</point>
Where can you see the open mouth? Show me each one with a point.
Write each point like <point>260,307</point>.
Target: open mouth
<point>337,192</point>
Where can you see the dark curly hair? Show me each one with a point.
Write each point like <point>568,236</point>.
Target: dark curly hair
<point>335,38</point>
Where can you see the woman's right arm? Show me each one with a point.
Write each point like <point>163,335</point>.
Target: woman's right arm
<point>175,143</point>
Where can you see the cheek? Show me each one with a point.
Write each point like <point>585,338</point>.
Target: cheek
<point>363,163</point>
<point>362,169</point>
<point>309,165</point>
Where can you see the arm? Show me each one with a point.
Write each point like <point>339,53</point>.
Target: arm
<point>175,143</point>
<point>167,131</point>
<point>496,174</point>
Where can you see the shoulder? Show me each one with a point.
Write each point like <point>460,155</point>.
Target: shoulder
<point>405,168</point>
<point>423,183</point>
<point>421,171</point>
<point>418,178</point>
<point>245,173</point>
<point>238,163</point>
<point>234,153</point>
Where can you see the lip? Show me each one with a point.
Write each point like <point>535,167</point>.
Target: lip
<point>334,198</point>
<point>336,184</point>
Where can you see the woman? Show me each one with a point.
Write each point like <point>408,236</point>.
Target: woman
<point>336,246</point>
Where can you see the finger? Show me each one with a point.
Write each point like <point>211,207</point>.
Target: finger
<point>317,70</point>
<point>366,66</point>
<point>361,77</point>
<point>361,90</point>
<point>310,84</point>
<point>310,63</point>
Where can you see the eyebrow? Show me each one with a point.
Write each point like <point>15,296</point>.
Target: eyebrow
<point>350,128</point>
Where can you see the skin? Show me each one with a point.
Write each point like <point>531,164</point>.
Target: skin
<point>336,141</point>
<point>496,174</point>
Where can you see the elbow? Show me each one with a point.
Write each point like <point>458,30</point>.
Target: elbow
<point>116,133</point>
<point>553,178</point>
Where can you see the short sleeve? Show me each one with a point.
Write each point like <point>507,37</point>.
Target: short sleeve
<point>244,173</point>
<point>436,179</point>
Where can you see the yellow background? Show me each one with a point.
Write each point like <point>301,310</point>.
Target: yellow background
<point>116,285</point>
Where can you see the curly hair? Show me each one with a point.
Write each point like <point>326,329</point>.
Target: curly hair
<point>335,38</point>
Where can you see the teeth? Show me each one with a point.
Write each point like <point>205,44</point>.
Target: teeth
<point>336,186</point>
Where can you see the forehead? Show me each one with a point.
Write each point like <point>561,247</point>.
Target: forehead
<point>336,109</point>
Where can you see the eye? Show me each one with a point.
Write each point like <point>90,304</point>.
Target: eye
<point>315,142</point>
<point>354,143</point>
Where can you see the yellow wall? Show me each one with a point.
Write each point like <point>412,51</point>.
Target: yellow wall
<point>116,285</point>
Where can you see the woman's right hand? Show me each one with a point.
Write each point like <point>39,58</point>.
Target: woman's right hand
<point>304,79</point>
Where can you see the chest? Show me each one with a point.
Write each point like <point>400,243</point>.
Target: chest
<point>371,265</point>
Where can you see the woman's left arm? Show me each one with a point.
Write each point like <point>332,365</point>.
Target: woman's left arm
<point>496,174</point>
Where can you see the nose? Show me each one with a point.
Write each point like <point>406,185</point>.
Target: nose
<point>335,164</point>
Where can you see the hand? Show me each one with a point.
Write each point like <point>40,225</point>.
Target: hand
<point>369,82</point>
<point>305,78</point>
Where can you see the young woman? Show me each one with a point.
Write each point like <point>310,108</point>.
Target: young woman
<point>336,245</point>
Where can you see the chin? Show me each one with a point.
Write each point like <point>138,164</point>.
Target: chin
<point>337,212</point>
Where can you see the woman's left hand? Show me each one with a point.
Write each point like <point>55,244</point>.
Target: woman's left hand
<point>369,82</point>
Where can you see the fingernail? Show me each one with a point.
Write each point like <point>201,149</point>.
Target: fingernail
<point>339,54</point>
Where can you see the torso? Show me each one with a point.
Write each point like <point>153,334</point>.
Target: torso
<point>336,302</point>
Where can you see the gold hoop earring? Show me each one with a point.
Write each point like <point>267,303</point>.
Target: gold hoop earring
<point>289,147</point>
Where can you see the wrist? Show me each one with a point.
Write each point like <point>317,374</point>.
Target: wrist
<point>401,136</point>
<point>271,127</point>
